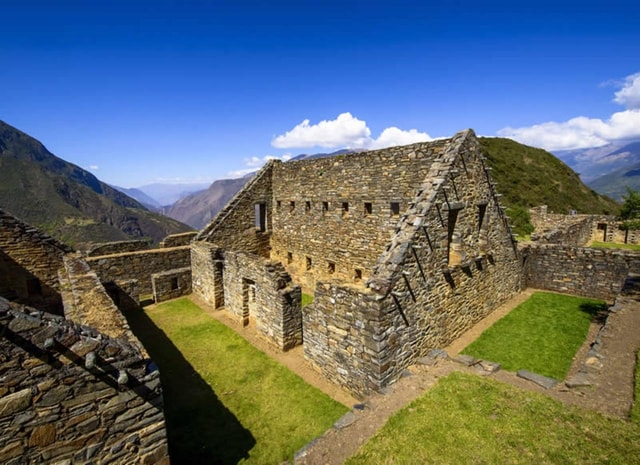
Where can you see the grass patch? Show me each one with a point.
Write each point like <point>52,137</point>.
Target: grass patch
<point>541,335</point>
<point>635,410</point>
<point>225,401</point>
<point>467,419</point>
<point>614,245</point>
<point>306,299</point>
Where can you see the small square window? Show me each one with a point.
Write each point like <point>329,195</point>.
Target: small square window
<point>331,268</point>
<point>292,206</point>
<point>358,275</point>
<point>307,206</point>
<point>309,264</point>
<point>345,208</point>
<point>395,208</point>
<point>175,285</point>
<point>278,204</point>
<point>289,257</point>
<point>325,207</point>
<point>368,208</point>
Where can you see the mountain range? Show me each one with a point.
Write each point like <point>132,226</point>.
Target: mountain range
<point>67,201</point>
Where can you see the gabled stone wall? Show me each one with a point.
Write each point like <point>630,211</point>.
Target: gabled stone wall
<point>259,292</point>
<point>69,394</point>
<point>451,261</point>
<point>235,227</point>
<point>29,263</point>
<point>333,216</point>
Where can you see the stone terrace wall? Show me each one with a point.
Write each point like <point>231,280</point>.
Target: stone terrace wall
<point>109,248</point>
<point>450,263</point>
<point>312,228</point>
<point>171,284</point>
<point>139,265</point>
<point>258,291</point>
<point>29,263</point>
<point>71,395</point>
<point>177,240</point>
<point>234,227</point>
<point>597,273</point>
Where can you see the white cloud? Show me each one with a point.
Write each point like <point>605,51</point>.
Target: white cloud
<point>346,131</point>
<point>581,131</point>
<point>93,168</point>
<point>255,163</point>
<point>629,95</point>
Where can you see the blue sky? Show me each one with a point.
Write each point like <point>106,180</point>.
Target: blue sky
<point>146,91</point>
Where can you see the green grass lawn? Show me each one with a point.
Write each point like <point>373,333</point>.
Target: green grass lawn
<point>613,245</point>
<point>225,401</point>
<point>467,419</point>
<point>306,300</point>
<point>541,335</point>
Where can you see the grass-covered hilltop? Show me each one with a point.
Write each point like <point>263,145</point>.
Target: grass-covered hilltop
<point>66,201</point>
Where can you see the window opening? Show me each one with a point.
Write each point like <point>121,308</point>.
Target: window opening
<point>395,208</point>
<point>174,284</point>
<point>289,257</point>
<point>261,216</point>
<point>358,275</point>
<point>309,264</point>
<point>331,267</point>
<point>307,206</point>
<point>292,206</point>
<point>345,208</point>
<point>368,208</point>
<point>325,207</point>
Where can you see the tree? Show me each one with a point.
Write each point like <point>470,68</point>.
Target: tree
<point>630,210</point>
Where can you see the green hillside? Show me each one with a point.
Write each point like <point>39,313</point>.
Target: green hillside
<point>66,201</point>
<point>529,177</point>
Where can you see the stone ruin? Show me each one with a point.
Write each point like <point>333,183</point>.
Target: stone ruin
<point>402,250</point>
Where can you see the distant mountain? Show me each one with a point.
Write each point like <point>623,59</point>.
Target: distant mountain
<point>149,202</point>
<point>528,177</point>
<point>199,208</point>
<point>615,184</point>
<point>592,163</point>
<point>66,201</point>
<point>166,194</point>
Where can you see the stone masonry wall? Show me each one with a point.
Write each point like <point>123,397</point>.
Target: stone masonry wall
<point>235,227</point>
<point>171,284</point>
<point>451,261</point>
<point>69,394</point>
<point>588,272</point>
<point>139,265</point>
<point>332,216</point>
<point>552,228</point>
<point>29,263</point>
<point>177,240</point>
<point>110,248</point>
<point>259,292</point>
<point>207,272</point>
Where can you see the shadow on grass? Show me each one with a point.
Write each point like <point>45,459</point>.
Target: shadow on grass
<point>200,429</point>
<point>597,310</point>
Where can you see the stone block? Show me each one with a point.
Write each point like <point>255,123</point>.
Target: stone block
<point>540,380</point>
<point>16,402</point>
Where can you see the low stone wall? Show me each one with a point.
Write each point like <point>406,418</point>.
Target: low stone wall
<point>588,272</point>
<point>551,228</point>
<point>87,303</point>
<point>139,265</point>
<point>171,284</point>
<point>259,291</point>
<point>177,240</point>
<point>69,394</point>
<point>110,248</point>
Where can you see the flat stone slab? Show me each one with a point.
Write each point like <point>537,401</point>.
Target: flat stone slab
<point>427,361</point>
<point>540,380</point>
<point>489,367</point>
<point>581,379</point>
<point>347,419</point>
<point>466,360</point>
<point>438,353</point>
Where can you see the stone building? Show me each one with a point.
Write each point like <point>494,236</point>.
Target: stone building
<point>403,249</point>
